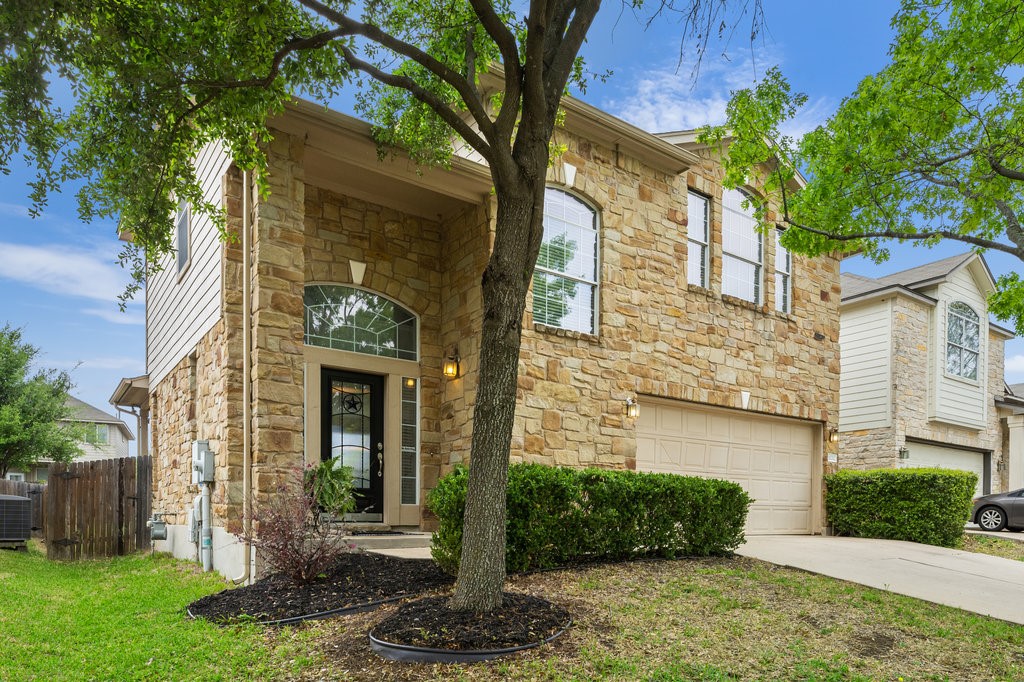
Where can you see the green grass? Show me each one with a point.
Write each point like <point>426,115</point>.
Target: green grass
<point>123,619</point>
<point>986,544</point>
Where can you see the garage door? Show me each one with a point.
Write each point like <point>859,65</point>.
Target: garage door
<point>773,459</point>
<point>945,457</point>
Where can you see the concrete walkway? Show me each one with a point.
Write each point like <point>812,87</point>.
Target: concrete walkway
<point>983,584</point>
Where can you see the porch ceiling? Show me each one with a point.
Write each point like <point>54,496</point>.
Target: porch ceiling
<point>341,156</point>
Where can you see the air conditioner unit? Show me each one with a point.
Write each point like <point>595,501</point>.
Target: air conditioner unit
<point>15,519</point>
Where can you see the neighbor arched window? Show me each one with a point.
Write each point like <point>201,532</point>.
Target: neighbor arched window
<point>345,318</point>
<point>963,332</point>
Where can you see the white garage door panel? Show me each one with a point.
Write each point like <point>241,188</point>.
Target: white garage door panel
<point>927,455</point>
<point>772,459</point>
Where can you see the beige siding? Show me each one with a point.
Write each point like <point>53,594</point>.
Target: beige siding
<point>865,335</point>
<point>181,308</point>
<point>954,399</point>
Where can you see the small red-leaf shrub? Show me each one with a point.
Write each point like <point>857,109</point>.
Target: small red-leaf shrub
<point>290,535</point>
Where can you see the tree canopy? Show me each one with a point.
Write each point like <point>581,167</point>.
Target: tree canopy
<point>32,406</point>
<point>930,148</point>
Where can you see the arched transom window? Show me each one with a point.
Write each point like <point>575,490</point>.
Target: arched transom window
<point>963,331</point>
<point>346,318</point>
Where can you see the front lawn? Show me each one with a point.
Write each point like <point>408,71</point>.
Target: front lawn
<point>708,619</point>
<point>124,619</point>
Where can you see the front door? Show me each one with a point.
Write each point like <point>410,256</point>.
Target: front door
<point>353,430</point>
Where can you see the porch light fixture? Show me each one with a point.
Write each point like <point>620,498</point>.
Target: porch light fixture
<point>904,453</point>
<point>450,366</point>
<point>833,435</point>
<point>632,408</point>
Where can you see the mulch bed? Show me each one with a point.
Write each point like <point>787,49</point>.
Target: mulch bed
<point>429,623</point>
<point>357,579</point>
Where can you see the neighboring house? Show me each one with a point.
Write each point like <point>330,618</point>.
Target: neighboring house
<point>104,436</point>
<point>653,286</point>
<point>922,372</point>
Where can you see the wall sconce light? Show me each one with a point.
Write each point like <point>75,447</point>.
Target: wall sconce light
<point>833,435</point>
<point>450,366</point>
<point>904,453</point>
<point>632,408</point>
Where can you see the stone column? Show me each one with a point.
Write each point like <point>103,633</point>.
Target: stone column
<point>277,317</point>
<point>1015,456</point>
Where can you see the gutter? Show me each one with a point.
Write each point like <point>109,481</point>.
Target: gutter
<point>246,383</point>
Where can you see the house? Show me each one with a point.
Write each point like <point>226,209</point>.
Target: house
<point>344,322</point>
<point>922,373</point>
<point>104,436</point>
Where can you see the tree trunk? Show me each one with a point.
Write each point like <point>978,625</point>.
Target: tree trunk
<point>505,282</point>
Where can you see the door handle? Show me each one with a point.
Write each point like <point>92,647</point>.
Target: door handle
<point>380,459</point>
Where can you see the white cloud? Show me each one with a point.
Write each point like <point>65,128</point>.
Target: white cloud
<point>127,363</point>
<point>64,270</point>
<point>1014,369</point>
<point>116,316</point>
<point>665,99</point>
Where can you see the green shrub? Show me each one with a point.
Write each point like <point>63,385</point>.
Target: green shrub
<point>557,516</point>
<point>331,486</point>
<point>920,505</point>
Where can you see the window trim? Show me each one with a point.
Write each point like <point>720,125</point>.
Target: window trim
<point>950,312</point>
<point>596,283</point>
<point>758,265</point>
<point>705,279</point>
<point>787,275</point>
<point>184,211</point>
<point>93,430</point>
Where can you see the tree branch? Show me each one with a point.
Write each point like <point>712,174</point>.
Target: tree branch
<point>560,68</point>
<point>1013,228</point>
<point>311,43</point>
<point>497,29</point>
<point>468,94</point>
<point>896,234</point>
<point>1011,173</point>
<point>430,99</point>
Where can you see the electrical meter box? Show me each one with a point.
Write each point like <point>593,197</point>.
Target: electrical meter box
<point>202,462</point>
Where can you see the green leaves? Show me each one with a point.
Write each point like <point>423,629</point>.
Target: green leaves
<point>929,148</point>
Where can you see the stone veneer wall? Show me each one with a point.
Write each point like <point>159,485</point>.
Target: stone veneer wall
<point>201,398</point>
<point>659,336</point>
<point>875,448</point>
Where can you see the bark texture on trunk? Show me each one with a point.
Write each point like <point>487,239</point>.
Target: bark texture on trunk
<point>505,284</point>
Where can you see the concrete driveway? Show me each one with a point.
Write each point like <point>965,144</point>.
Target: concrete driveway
<point>984,584</point>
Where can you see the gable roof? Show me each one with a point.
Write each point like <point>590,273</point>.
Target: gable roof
<point>913,279</point>
<point>86,413</point>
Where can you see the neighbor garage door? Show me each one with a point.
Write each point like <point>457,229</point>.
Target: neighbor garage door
<point>773,459</point>
<point>945,457</point>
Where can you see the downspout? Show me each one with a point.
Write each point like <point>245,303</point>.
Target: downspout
<point>246,385</point>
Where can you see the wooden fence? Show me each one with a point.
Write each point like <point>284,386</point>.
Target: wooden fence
<point>33,491</point>
<point>98,509</point>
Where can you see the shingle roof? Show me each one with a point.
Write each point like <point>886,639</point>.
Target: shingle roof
<point>84,412</point>
<point>1016,389</point>
<point>857,285</point>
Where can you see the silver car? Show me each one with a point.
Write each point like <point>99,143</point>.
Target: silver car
<point>999,511</point>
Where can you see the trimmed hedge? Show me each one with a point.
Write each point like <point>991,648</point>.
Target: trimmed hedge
<point>929,506</point>
<point>559,516</point>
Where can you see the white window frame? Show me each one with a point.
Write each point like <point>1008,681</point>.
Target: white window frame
<point>967,316</point>
<point>183,236</point>
<point>783,275</point>
<point>93,431</point>
<point>729,257</point>
<point>701,278</point>
<point>594,284</point>
<point>16,477</point>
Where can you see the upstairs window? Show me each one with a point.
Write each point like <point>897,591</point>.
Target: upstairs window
<point>963,331</point>
<point>742,250</point>
<point>565,279</point>
<point>181,234</point>
<point>96,434</point>
<point>783,273</point>
<point>697,222</point>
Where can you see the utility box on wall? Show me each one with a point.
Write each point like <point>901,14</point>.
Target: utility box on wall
<point>202,462</point>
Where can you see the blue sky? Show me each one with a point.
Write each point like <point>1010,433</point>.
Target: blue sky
<point>59,279</point>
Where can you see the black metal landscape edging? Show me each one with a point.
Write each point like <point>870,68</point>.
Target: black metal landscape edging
<point>406,653</point>
<point>343,611</point>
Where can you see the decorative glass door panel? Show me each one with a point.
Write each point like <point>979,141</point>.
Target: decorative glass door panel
<point>353,431</point>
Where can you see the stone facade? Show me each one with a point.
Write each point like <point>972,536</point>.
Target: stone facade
<point>658,336</point>
<point>911,370</point>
